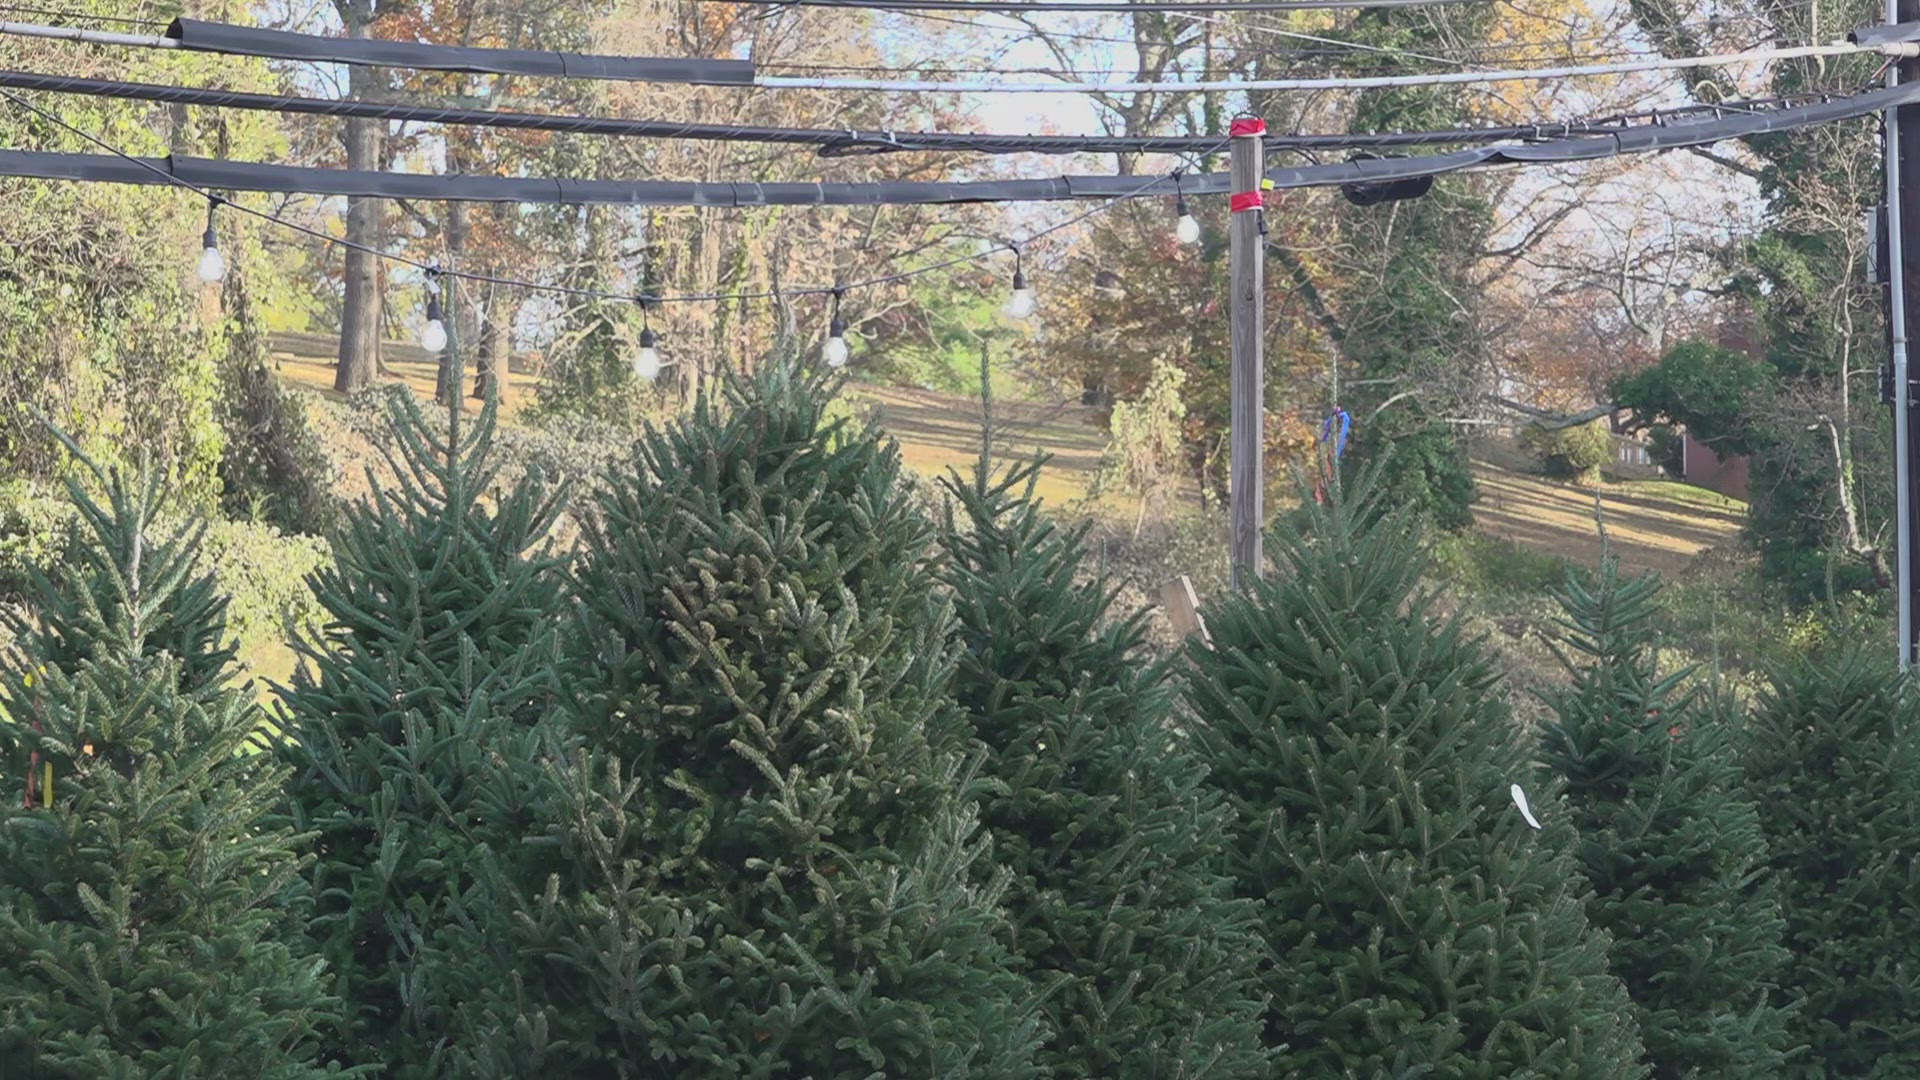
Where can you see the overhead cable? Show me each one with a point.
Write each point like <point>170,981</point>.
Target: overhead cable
<point>155,174</point>
<point>831,142</point>
<point>198,36</point>
<point>1750,56</point>
<point>376,52</point>
<point>200,173</point>
<point>250,41</point>
<point>1082,6</point>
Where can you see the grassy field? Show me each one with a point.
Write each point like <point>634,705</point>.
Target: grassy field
<point>1651,524</point>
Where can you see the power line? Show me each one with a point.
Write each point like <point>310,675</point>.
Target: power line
<point>167,178</point>
<point>247,41</point>
<point>198,36</point>
<point>1363,172</point>
<point>1340,47</point>
<point>830,141</point>
<point>1347,83</point>
<point>1165,6</point>
<point>49,13</point>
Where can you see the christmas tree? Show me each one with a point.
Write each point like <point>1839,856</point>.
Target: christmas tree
<point>140,889</point>
<point>772,868</point>
<point>1419,926</point>
<point>1118,848</point>
<point>412,731</point>
<point>1669,840</point>
<point>1834,766</point>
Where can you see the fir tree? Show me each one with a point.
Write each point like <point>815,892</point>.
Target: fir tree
<point>1833,764</point>
<point>1419,926</point>
<point>773,871</point>
<point>140,888</point>
<point>1118,848</point>
<point>1669,840</point>
<point>412,731</point>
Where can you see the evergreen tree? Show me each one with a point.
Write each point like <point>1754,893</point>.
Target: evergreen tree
<point>1669,840</point>
<point>1419,927</point>
<point>774,872</point>
<point>412,731</point>
<point>140,888</point>
<point>1118,848</point>
<point>1834,767</point>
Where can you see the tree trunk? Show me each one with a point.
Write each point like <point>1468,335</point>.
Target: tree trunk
<point>495,350</point>
<point>451,375</point>
<point>360,313</point>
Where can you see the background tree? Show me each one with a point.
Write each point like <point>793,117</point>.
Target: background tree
<point>772,866</point>
<point>141,887</point>
<point>1831,768</point>
<point>1416,922</point>
<point>1669,839</point>
<point>408,729</point>
<point>1118,848</point>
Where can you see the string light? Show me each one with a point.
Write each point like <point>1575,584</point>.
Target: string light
<point>1186,228</point>
<point>213,265</point>
<point>646,362</point>
<point>835,352</point>
<point>434,337</point>
<point>1021,303</point>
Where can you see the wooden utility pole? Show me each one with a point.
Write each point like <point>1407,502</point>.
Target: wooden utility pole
<point>1903,197</point>
<point>1247,490</point>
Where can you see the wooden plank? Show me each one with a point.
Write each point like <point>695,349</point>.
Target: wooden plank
<point>1183,609</point>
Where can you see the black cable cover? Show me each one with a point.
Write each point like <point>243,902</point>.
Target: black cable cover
<point>372,52</point>
<point>210,175</point>
<point>1171,6</point>
<point>832,143</point>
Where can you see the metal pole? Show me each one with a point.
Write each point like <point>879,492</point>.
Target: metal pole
<point>1897,324</point>
<point>1247,271</point>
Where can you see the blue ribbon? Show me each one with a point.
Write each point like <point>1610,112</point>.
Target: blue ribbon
<point>1327,435</point>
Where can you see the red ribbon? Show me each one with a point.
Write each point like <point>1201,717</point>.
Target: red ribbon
<point>1248,125</point>
<point>1246,200</point>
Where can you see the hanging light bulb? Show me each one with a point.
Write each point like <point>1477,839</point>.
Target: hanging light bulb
<point>835,352</point>
<point>1187,228</point>
<point>1021,303</point>
<point>646,362</point>
<point>434,337</point>
<point>213,265</point>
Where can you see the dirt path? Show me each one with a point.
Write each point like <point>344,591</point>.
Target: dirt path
<point>1651,524</point>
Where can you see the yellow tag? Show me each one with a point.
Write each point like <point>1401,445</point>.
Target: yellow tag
<point>1266,185</point>
<point>49,792</point>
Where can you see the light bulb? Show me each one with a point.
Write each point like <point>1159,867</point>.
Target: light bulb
<point>213,265</point>
<point>1020,304</point>
<point>434,337</point>
<point>835,352</point>
<point>1187,229</point>
<point>646,362</point>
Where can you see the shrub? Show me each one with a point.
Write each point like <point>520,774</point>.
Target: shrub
<point>1570,453</point>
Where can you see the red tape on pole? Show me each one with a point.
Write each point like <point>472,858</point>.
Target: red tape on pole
<point>1248,125</point>
<point>1246,200</point>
